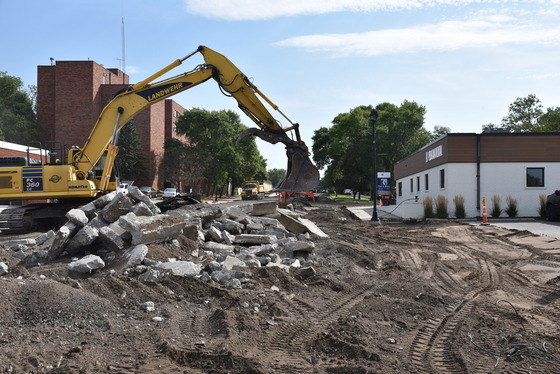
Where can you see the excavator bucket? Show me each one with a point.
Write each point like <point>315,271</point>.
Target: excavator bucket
<point>301,174</point>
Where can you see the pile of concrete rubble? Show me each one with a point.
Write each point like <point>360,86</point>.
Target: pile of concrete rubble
<point>115,232</point>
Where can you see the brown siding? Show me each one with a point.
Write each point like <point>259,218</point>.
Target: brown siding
<point>525,147</point>
<point>416,162</point>
<point>520,148</point>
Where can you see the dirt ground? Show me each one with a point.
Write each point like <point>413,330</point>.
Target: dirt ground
<point>438,297</point>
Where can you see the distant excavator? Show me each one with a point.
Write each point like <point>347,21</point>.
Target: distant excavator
<point>87,171</point>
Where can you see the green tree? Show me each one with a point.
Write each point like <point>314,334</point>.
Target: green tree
<point>550,120</point>
<point>212,142</point>
<point>18,121</point>
<point>526,114</point>
<point>276,176</point>
<point>130,161</point>
<point>346,148</point>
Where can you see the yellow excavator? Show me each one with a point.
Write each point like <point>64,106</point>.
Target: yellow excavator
<point>87,172</point>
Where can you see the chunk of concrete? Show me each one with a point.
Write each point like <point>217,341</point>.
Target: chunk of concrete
<point>291,224</point>
<point>180,268</point>
<point>215,234</point>
<point>206,212</point>
<point>45,238</point>
<point>120,205</point>
<point>77,217</point>
<point>255,239</point>
<point>154,229</point>
<point>300,246</point>
<point>61,237</point>
<point>100,202</point>
<point>3,268</point>
<point>232,263</point>
<point>113,236</point>
<point>264,208</point>
<point>137,195</point>
<point>84,237</point>
<point>130,257</point>
<point>313,229</point>
<point>87,264</point>
<point>141,209</point>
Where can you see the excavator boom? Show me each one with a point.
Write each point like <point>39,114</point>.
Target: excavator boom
<point>77,178</point>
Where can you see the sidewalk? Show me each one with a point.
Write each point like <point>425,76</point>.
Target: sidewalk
<point>544,228</point>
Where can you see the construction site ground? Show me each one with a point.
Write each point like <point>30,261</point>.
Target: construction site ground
<point>435,297</point>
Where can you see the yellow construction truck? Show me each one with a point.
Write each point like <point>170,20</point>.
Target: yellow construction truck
<point>252,190</point>
<point>81,174</point>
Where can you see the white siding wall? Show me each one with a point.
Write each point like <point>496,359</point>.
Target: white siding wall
<point>502,179</point>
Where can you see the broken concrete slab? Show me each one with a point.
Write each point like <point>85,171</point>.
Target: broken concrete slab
<point>130,257</point>
<point>86,264</point>
<point>3,268</point>
<point>291,224</point>
<point>299,246</point>
<point>254,239</point>
<point>118,206</point>
<point>77,217</point>
<point>313,229</point>
<point>232,263</point>
<point>84,237</point>
<point>154,229</point>
<point>137,195</point>
<point>215,234</point>
<point>62,236</point>
<point>206,212</point>
<point>141,209</point>
<point>264,208</point>
<point>180,268</point>
<point>100,202</point>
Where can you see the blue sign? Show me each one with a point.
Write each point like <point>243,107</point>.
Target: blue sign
<point>384,183</point>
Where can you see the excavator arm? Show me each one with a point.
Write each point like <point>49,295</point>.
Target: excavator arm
<point>301,174</point>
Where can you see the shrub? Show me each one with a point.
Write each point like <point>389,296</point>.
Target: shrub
<point>428,203</point>
<point>511,209</point>
<point>441,207</point>
<point>542,206</point>
<point>496,207</point>
<point>459,202</point>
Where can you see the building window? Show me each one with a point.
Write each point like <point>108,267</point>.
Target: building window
<point>442,178</point>
<point>535,177</point>
<point>411,185</point>
<point>426,182</point>
<point>400,188</point>
<point>418,183</point>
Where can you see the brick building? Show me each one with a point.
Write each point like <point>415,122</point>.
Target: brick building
<point>71,96</point>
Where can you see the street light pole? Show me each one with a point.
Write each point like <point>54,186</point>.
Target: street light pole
<point>373,118</point>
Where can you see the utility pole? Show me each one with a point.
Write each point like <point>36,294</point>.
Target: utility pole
<point>373,118</point>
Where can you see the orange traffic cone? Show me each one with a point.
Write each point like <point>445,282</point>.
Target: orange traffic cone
<point>484,214</point>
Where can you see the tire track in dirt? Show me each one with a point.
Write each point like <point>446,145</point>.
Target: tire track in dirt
<point>286,348</point>
<point>430,351</point>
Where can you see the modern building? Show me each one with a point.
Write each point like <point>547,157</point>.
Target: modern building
<point>518,166</point>
<point>71,96</point>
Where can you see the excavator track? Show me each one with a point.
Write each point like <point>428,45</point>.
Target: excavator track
<point>33,217</point>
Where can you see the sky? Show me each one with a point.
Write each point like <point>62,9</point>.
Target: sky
<point>465,61</point>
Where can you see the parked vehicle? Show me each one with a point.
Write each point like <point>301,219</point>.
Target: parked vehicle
<point>252,190</point>
<point>553,206</point>
<point>149,191</point>
<point>169,192</point>
<point>347,191</point>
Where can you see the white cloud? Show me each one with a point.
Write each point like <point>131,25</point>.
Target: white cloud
<point>445,36</point>
<point>237,10</point>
